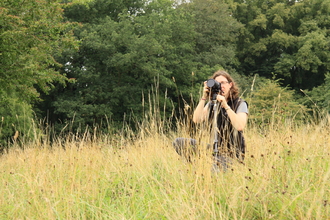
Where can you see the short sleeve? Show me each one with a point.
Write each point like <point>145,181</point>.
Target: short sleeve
<point>242,108</point>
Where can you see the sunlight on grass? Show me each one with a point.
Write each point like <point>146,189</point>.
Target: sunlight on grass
<point>285,175</point>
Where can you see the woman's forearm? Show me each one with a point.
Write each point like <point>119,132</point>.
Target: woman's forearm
<point>199,113</point>
<point>238,120</point>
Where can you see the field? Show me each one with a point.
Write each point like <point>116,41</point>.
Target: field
<point>285,175</point>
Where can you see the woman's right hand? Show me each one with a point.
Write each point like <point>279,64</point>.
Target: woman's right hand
<point>206,91</point>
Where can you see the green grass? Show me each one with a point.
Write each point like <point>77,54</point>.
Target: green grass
<point>285,175</point>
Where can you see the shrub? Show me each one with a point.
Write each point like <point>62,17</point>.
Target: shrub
<point>16,120</point>
<point>271,103</point>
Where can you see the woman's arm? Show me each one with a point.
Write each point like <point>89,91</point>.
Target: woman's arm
<point>238,120</point>
<point>201,111</point>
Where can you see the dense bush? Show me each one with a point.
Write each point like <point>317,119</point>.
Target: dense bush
<point>16,120</point>
<point>271,102</point>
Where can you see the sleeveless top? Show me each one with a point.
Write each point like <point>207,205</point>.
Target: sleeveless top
<point>227,140</point>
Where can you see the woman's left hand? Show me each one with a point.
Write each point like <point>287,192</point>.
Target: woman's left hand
<point>222,100</point>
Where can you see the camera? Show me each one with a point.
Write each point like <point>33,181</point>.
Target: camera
<point>215,88</point>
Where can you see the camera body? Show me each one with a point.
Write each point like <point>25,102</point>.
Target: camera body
<point>215,88</point>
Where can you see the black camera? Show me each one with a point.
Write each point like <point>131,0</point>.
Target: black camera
<point>215,88</point>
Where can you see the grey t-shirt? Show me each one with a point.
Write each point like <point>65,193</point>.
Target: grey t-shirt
<point>242,108</point>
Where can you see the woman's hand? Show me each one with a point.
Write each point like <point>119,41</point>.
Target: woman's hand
<point>223,101</point>
<point>201,111</point>
<point>206,91</point>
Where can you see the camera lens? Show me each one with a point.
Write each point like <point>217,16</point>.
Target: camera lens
<point>210,83</point>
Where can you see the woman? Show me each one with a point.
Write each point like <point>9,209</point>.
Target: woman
<point>226,128</point>
<point>231,116</point>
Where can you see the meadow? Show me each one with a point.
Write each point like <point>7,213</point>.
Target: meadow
<point>285,175</point>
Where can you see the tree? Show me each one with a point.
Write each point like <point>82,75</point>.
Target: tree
<point>319,96</point>
<point>121,59</point>
<point>216,32</point>
<point>16,120</point>
<point>95,10</point>
<point>134,47</point>
<point>288,38</point>
<point>31,35</point>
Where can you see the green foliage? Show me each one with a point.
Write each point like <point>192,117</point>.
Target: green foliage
<point>122,58</point>
<point>319,97</point>
<point>271,103</point>
<point>92,11</point>
<point>130,49</point>
<point>289,38</point>
<point>31,34</point>
<point>216,32</point>
<point>16,120</point>
<point>32,37</point>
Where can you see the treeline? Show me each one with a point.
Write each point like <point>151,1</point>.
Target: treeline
<point>99,63</point>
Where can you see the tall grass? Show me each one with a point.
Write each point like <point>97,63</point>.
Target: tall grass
<point>129,175</point>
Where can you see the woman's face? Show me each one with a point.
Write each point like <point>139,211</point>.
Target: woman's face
<point>225,85</point>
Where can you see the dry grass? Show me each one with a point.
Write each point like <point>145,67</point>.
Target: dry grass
<point>285,176</point>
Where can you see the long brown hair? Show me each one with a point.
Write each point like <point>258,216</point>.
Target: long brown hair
<point>234,90</point>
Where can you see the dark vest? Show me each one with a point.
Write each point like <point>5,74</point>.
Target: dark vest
<point>230,141</point>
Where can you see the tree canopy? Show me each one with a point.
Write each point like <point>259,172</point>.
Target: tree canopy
<point>288,38</point>
<point>124,54</point>
<point>31,34</point>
